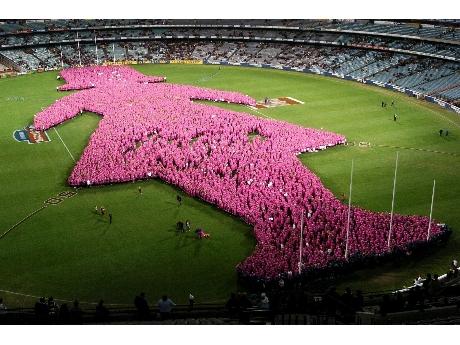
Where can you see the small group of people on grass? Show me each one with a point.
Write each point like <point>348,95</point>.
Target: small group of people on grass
<point>443,131</point>
<point>100,210</point>
<point>186,227</point>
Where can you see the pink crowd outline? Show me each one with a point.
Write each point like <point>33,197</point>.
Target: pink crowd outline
<point>245,165</point>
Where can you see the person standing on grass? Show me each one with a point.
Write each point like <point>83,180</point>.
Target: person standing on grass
<point>139,189</point>
<point>395,117</point>
<point>102,210</point>
<point>96,209</point>
<point>440,132</point>
<point>179,199</point>
<point>110,218</point>
<point>187,225</point>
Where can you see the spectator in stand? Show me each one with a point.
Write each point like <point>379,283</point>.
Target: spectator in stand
<point>53,309</point>
<point>243,304</point>
<point>436,284</point>
<point>102,313</point>
<point>41,310</point>
<point>142,306</point>
<point>347,306</point>
<point>427,285</point>
<point>165,306</point>
<point>64,314</point>
<point>191,301</point>
<point>264,301</point>
<point>76,314</point>
<point>3,308</point>
<point>385,305</point>
<point>359,301</point>
<point>232,304</point>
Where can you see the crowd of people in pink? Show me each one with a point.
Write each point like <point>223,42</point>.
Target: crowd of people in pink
<point>243,164</point>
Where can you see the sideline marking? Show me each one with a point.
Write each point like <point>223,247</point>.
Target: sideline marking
<point>22,221</point>
<point>208,77</point>
<point>65,145</point>
<point>60,299</point>
<point>258,112</point>
<point>417,149</point>
<point>54,200</point>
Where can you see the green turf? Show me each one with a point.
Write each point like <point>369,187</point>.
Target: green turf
<point>68,251</point>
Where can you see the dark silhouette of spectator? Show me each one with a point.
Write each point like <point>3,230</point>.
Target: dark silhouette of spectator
<point>41,310</point>
<point>179,199</point>
<point>419,297</point>
<point>243,305</point>
<point>3,310</point>
<point>411,299</point>
<point>399,302</point>
<point>359,301</point>
<point>165,305</point>
<point>384,305</point>
<point>191,301</point>
<point>143,311</point>
<point>64,314</point>
<point>347,306</point>
<point>232,304</point>
<point>427,286</point>
<point>435,285</point>
<point>102,313</point>
<point>264,301</point>
<point>53,309</point>
<point>454,268</point>
<point>76,314</point>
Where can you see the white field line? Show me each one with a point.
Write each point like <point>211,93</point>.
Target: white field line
<point>258,112</point>
<point>60,299</point>
<point>295,100</point>
<point>65,145</point>
<point>81,302</point>
<point>419,149</point>
<point>22,220</point>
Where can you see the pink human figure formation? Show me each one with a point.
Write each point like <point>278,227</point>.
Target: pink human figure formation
<point>243,164</point>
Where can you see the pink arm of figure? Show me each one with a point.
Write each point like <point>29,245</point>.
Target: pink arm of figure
<point>217,95</point>
<point>60,111</point>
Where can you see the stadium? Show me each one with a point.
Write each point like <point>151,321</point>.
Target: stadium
<point>257,171</point>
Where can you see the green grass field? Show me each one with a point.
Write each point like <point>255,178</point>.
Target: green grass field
<point>67,251</point>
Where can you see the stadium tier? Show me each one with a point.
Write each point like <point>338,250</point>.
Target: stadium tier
<point>424,58</point>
